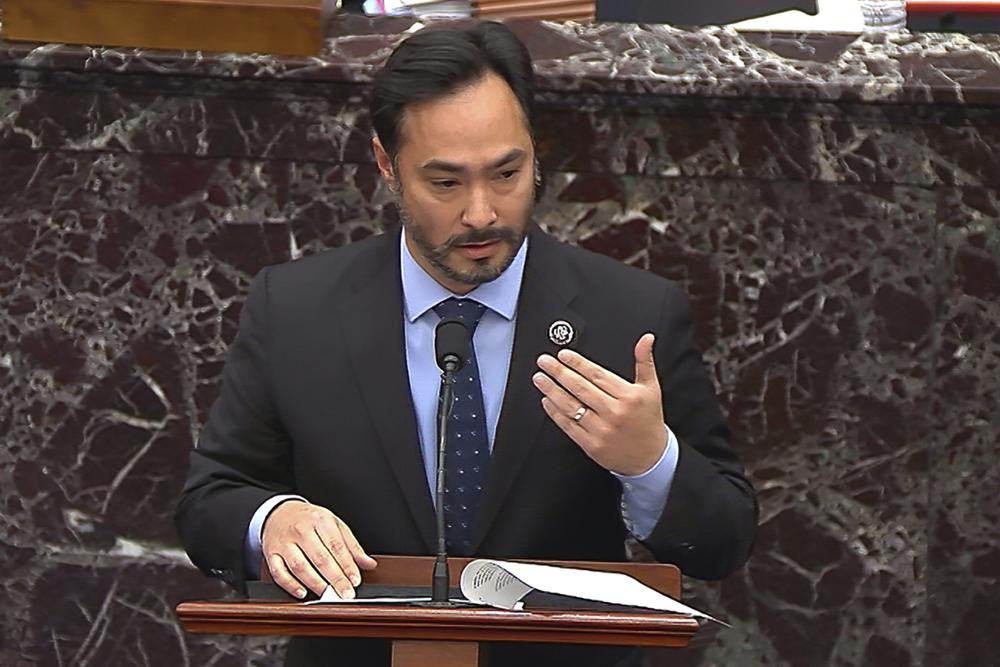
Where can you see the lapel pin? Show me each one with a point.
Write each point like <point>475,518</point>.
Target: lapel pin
<point>561,333</point>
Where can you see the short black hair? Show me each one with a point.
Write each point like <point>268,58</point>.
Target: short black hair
<point>437,62</point>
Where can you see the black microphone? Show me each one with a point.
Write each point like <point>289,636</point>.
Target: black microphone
<point>451,345</point>
<point>451,349</point>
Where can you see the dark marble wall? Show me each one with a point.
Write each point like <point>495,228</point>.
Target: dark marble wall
<point>830,205</point>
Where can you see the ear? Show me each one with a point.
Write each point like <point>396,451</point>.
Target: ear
<point>383,160</point>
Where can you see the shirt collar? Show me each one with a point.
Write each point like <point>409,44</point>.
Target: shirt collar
<point>421,292</point>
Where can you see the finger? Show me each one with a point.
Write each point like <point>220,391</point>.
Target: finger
<point>281,576</point>
<point>360,556</point>
<point>330,535</point>
<point>296,571</point>
<point>607,381</point>
<point>576,384</point>
<point>567,425</point>
<point>324,559</point>
<point>562,401</point>
<point>645,363</point>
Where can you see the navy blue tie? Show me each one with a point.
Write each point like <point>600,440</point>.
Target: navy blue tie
<point>467,445</point>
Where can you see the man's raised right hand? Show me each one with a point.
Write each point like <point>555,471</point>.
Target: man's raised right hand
<point>307,546</point>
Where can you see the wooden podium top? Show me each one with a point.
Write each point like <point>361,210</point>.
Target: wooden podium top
<point>473,624</point>
<point>410,622</point>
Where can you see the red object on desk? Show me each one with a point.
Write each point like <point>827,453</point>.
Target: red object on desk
<point>960,7</point>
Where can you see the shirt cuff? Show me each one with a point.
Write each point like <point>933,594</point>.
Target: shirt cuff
<point>252,552</point>
<point>645,495</point>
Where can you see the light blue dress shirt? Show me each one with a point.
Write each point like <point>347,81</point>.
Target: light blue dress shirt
<point>643,496</point>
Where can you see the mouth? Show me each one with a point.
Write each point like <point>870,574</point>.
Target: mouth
<point>478,250</point>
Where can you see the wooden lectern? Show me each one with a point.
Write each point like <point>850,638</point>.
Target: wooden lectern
<point>288,27</point>
<point>424,636</point>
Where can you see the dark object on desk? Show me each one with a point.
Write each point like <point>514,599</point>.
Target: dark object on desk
<point>266,590</point>
<point>541,601</point>
<point>964,17</point>
<point>685,12</point>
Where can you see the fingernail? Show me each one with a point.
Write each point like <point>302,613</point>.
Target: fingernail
<point>299,593</point>
<point>537,378</point>
<point>356,579</point>
<point>347,594</point>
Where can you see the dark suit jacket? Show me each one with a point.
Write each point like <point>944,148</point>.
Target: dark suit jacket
<point>315,401</point>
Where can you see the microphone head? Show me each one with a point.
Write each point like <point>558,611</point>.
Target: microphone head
<point>451,344</point>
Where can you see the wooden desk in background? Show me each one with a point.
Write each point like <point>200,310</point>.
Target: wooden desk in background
<point>285,27</point>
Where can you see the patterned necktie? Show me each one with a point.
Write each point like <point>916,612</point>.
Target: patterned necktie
<point>467,447</point>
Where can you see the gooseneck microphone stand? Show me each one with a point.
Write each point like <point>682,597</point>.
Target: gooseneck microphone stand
<point>439,586</point>
<point>451,347</point>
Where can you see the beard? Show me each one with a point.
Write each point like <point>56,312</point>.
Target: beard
<point>437,255</point>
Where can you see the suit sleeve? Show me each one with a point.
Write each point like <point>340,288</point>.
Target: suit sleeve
<point>708,523</point>
<point>242,457</point>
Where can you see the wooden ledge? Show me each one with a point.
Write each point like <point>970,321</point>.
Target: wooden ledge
<point>408,622</point>
<point>287,27</point>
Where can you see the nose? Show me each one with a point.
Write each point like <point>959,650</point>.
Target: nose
<point>479,210</point>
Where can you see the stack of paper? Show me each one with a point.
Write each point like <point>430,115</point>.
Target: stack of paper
<point>533,587</point>
<point>509,585</point>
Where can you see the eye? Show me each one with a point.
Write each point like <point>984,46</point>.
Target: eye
<point>446,184</point>
<point>509,174</point>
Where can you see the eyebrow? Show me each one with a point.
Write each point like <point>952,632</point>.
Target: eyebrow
<point>452,168</point>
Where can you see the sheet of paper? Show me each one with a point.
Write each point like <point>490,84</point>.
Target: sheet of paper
<point>486,582</point>
<point>330,596</point>
<point>336,600</point>
<point>425,8</point>
<point>833,16</point>
<point>610,587</point>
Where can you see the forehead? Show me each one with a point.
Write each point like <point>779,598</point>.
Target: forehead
<point>470,125</point>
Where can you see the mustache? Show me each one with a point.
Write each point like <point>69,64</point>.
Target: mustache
<point>487,235</point>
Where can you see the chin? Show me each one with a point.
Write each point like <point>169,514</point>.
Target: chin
<point>477,273</point>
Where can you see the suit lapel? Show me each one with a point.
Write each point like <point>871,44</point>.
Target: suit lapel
<point>546,295</point>
<point>372,322</point>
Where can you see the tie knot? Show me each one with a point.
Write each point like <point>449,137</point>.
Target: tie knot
<point>467,311</point>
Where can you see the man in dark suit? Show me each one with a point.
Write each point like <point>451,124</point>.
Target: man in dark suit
<point>583,415</point>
